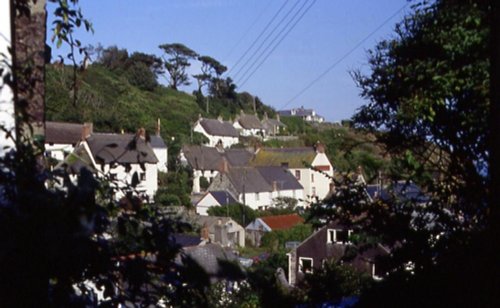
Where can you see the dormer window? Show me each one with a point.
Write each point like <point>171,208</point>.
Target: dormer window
<point>338,236</point>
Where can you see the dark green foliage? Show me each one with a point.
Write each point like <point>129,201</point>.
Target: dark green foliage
<point>331,283</point>
<point>174,188</point>
<point>179,57</point>
<point>275,240</point>
<point>204,183</point>
<point>139,75</point>
<point>242,214</point>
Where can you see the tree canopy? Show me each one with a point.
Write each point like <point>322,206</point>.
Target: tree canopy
<point>176,64</point>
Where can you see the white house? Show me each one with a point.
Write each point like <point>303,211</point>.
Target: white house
<point>249,125</point>
<point>221,230</point>
<point>272,127</point>
<point>309,165</point>
<point>206,162</point>
<point>218,132</point>
<point>308,115</point>
<point>161,151</point>
<point>118,158</point>
<point>213,198</point>
<point>62,137</point>
<point>258,187</point>
<point>7,120</point>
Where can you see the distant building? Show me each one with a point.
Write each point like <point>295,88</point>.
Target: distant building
<point>258,187</point>
<point>62,137</point>
<point>308,115</point>
<point>218,132</point>
<point>309,165</point>
<point>221,230</point>
<point>273,127</point>
<point>213,198</point>
<point>257,228</point>
<point>249,125</point>
<point>160,148</point>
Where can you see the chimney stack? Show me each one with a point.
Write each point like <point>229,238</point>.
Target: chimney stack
<point>87,130</point>
<point>141,133</point>
<point>319,147</point>
<point>158,127</point>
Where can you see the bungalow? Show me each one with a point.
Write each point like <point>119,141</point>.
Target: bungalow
<point>332,242</point>
<point>206,162</point>
<point>257,228</point>
<point>217,131</point>
<point>249,125</point>
<point>272,127</point>
<point>213,198</point>
<point>309,165</point>
<point>119,158</point>
<point>258,187</point>
<point>221,230</point>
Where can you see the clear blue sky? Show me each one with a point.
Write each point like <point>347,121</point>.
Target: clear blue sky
<point>225,29</point>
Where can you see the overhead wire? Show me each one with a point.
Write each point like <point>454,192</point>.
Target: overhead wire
<point>243,81</point>
<point>332,66</point>
<point>266,39</point>
<point>259,36</point>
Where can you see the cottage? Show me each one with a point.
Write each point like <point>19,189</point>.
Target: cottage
<point>271,126</point>
<point>218,132</point>
<point>206,162</point>
<point>332,242</point>
<point>213,198</point>
<point>221,230</point>
<point>309,165</point>
<point>257,228</point>
<point>119,157</point>
<point>249,125</point>
<point>258,187</point>
<point>61,137</point>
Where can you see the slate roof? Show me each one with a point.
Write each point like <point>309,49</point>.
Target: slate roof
<point>211,220</point>
<point>208,158</point>
<point>125,148</point>
<point>282,222</point>
<point>186,240</point>
<point>401,190</point>
<point>270,123</point>
<point>208,257</point>
<point>294,157</point>
<point>223,197</point>
<point>249,121</point>
<point>284,179</point>
<point>62,132</point>
<point>157,142</point>
<point>248,179</point>
<point>218,128</point>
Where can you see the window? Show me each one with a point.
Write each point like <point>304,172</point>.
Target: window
<point>257,197</point>
<point>297,174</point>
<point>305,265</point>
<point>143,176</point>
<point>313,191</point>
<point>112,176</point>
<point>284,164</point>
<point>312,177</point>
<point>338,236</point>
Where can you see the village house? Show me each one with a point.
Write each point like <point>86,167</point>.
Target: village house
<point>218,132</point>
<point>118,157</point>
<point>258,187</point>
<point>61,137</point>
<point>206,162</point>
<point>260,226</point>
<point>221,230</point>
<point>271,126</point>
<point>249,125</point>
<point>213,198</point>
<point>332,243</point>
<point>308,115</point>
<point>160,149</point>
<point>309,165</point>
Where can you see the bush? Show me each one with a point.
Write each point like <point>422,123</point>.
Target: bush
<point>276,240</point>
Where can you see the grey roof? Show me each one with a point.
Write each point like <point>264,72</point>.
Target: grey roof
<point>63,133</point>
<point>248,180</point>
<point>209,257</point>
<point>271,123</point>
<point>186,240</point>
<point>208,158</point>
<point>284,179</point>
<point>125,148</point>
<point>400,190</point>
<point>219,128</point>
<point>202,158</point>
<point>223,197</point>
<point>249,121</point>
<point>299,112</point>
<point>157,142</point>
<point>211,220</point>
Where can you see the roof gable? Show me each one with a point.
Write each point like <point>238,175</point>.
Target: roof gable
<point>125,148</point>
<point>218,128</point>
<point>282,222</point>
<point>249,121</point>
<point>62,132</point>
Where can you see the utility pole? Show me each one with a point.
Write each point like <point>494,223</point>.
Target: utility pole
<point>254,108</point>
<point>206,102</point>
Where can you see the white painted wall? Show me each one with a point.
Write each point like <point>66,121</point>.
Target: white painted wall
<point>227,141</point>
<point>268,198</point>
<point>6,95</point>
<point>162,155</point>
<point>58,151</point>
<point>206,202</point>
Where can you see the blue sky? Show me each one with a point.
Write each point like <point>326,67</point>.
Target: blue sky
<point>225,29</point>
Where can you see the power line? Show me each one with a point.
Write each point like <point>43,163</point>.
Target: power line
<point>259,36</point>
<point>248,29</point>
<point>279,42</point>
<point>266,39</point>
<point>344,56</point>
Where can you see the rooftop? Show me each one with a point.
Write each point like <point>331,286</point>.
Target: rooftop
<point>282,222</point>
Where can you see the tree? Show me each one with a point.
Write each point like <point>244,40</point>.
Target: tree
<point>176,64</point>
<point>211,70</point>
<point>428,91</point>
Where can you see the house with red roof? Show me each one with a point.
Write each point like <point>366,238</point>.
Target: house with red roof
<point>257,228</point>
